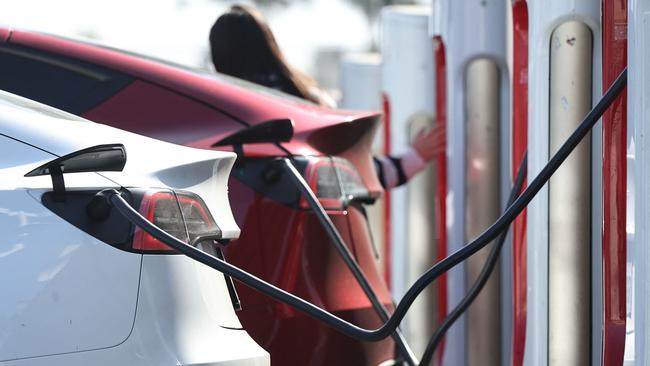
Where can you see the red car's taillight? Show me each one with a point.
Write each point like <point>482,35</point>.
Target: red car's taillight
<point>180,214</point>
<point>335,182</point>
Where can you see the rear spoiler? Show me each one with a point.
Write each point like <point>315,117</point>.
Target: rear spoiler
<point>352,140</point>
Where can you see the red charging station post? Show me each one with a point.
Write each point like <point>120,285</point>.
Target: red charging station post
<point>519,147</point>
<point>440,200</point>
<point>614,157</point>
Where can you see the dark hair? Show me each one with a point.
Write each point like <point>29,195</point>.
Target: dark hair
<point>243,46</point>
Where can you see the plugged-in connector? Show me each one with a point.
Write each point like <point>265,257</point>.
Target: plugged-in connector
<point>99,208</point>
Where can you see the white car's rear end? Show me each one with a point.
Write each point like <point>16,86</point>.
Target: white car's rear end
<point>81,291</point>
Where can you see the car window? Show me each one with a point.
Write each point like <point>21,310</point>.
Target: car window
<point>55,80</point>
<point>107,96</point>
<point>155,111</point>
<point>209,74</point>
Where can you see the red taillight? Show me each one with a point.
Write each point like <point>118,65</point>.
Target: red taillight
<point>335,182</point>
<point>196,215</point>
<point>182,215</point>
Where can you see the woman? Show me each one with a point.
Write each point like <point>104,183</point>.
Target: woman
<point>243,46</point>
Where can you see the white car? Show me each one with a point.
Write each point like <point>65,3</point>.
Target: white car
<point>79,287</point>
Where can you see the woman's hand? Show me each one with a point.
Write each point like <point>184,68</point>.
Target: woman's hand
<point>430,142</point>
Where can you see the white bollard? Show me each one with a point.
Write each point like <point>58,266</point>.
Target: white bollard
<point>408,84</point>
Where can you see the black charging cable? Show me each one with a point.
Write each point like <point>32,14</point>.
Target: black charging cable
<point>342,249</point>
<point>335,237</point>
<point>493,257</point>
<point>348,258</point>
<point>481,280</point>
<point>429,276</point>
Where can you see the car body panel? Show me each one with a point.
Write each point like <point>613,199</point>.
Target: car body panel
<point>303,261</point>
<point>150,110</point>
<point>69,298</point>
<point>171,327</point>
<point>50,270</point>
<point>185,168</point>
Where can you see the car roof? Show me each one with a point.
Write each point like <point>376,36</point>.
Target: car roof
<point>244,101</point>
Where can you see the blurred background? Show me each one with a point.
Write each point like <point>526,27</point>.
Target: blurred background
<point>313,34</point>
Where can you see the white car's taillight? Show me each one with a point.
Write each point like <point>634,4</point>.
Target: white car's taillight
<point>198,221</point>
<point>180,214</point>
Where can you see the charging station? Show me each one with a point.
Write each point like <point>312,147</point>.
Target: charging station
<point>408,87</point>
<point>519,147</point>
<point>574,240</point>
<point>614,175</point>
<point>478,154</point>
<point>440,199</point>
<point>564,220</point>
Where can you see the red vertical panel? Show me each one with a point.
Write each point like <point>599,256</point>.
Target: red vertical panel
<point>440,201</point>
<point>388,263</point>
<point>614,184</point>
<point>519,146</point>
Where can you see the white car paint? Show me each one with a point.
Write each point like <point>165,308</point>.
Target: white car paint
<point>69,298</point>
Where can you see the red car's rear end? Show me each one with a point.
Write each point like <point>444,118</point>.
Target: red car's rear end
<point>282,241</point>
<point>287,246</point>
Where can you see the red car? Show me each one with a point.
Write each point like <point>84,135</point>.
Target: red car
<point>282,241</point>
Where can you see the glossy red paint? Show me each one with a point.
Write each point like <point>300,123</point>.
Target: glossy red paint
<point>614,185</point>
<point>440,200</point>
<point>519,147</point>
<point>388,230</point>
<point>147,109</point>
<point>301,260</point>
<point>281,244</point>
